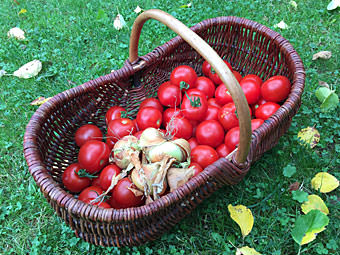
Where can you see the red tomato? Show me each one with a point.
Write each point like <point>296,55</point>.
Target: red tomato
<point>123,196</point>
<point>197,168</point>
<point>134,121</point>
<point>204,155</point>
<point>223,150</point>
<point>86,133</point>
<point>255,123</point>
<point>72,181</point>
<point>152,102</point>
<point>95,182</point>
<point>276,89</point>
<point>180,127</point>
<point>214,76</point>
<point>149,117</point>
<point>205,85</point>
<point>194,92</point>
<point>169,95</point>
<point>194,124</point>
<point>138,134</point>
<point>261,101</point>
<point>115,112</point>
<point>193,142</point>
<point>206,68</point>
<point>266,110</point>
<point>212,113</point>
<point>93,156</point>
<point>90,193</point>
<point>107,174</point>
<point>170,113</point>
<point>222,95</point>
<point>227,116</point>
<point>184,77</point>
<point>194,107</point>
<point>119,128</point>
<point>110,143</point>
<point>238,76</point>
<point>253,77</point>
<point>102,204</point>
<point>210,132</point>
<point>213,102</point>
<point>251,89</point>
<point>232,138</point>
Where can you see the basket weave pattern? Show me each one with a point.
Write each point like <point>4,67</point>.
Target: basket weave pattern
<point>49,145</point>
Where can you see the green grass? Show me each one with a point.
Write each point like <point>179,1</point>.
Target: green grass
<point>75,47</point>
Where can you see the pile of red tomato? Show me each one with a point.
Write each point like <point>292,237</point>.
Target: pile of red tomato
<point>198,109</point>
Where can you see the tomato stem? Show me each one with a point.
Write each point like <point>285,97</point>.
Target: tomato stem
<point>212,70</point>
<point>124,114</point>
<point>194,101</point>
<point>183,85</point>
<point>83,174</point>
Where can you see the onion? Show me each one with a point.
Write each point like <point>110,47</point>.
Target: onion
<point>124,150</point>
<point>150,137</point>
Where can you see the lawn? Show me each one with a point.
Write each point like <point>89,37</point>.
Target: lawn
<point>76,42</point>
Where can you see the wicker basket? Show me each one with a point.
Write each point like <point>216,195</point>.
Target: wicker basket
<point>49,145</point>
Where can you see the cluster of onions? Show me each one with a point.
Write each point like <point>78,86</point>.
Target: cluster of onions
<point>153,162</point>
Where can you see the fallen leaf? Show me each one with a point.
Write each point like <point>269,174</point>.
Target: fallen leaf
<point>16,33</point>
<point>323,55</point>
<point>22,11</point>
<point>243,217</point>
<point>310,136</point>
<point>293,4</point>
<point>119,22</point>
<point>282,25</point>
<point>300,196</point>
<point>138,9</point>
<point>101,15</point>
<point>246,251</point>
<point>314,203</point>
<point>324,182</point>
<point>333,5</point>
<point>308,226</point>
<point>2,73</point>
<point>29,70</point>
<point>186,5</point>
<point>294,186</point>
<point>327,97</point>
<point>40,101</point>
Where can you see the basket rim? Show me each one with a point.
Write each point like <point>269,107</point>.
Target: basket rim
<point>73,205</point>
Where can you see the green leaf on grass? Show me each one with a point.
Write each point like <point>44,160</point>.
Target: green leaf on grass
<point>308,226</point>
<point>289,170</point>
<point>322,93</point>
<point>101,15</point>
<point>300,196</point>
<point>328,98</point>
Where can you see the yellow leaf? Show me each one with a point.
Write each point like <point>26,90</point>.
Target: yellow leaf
<point>309,135</point>
<point>243,217</point>
<point>247,251</point>
<point>310,236</point>
<point>324,182</point>
<point>314,202</point>
<point>22,11</point>
<point>40,101</point>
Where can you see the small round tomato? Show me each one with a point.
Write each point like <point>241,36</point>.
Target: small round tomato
<point>204,155</point>
<point>197,169</point>
<point>253,77</point>
<point>115,112</point>
<point>192,142</point>
<point>123,197</point>
<point>86,133</point>
<point>71,179</point>
<point>214,76</point>
<point>205,85</point>
<point>213,102</point>
<point>206,68</point>
<point>194,107</point>
<point>170,113</point>
<point>261,101</point>
<point>95,182</point>
<point>210,132</point>
<point>212,113</point>
<point>238,76</point>
<point>227,116</point>
<point>223,150</point>
<point>222,95</point>
<point>107,174</point>
<point>266,110</point>
<point>195,92</point>
<point>149,117</point>
<point>184,77</point>
<point>152,102</point>
<point>255,123</point>
<point>169,95</point>
<point>276,89</point>
<point>90,193</point>
<point>232,138</point>
<point>180,127</point>
<point>93,156</point>
<point>251,90</point>
<point>119,128</point>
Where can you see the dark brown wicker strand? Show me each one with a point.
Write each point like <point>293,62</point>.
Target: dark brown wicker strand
<point>49,145</point>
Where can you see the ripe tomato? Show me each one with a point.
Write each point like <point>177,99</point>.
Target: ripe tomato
<point>214,76</point>
<point>238,76</point>
<point>149,117</point>
<point>184,77</point>
<point>227,116</point>
<point>195,92</point>
<point>95,182</point>
<point>222,95</point>
<point>210,132</point>
<point>115,112</point>
<point>180,127</point>
<point>261,101</point>
<point>276,89</point>
<point>138,134</point>
<point>253,77</point>
<point>119,128</point>
<point>255,123</point>
<point>205,85</point>
<point>197,169</point>
<point>152,102</point>
<point>171,113</point>
<point>212,113</point>
<point>194,107</point>
<point>232,138</point>
<point>110,143</point>
<point>193,142</point>
<point>86,133</point>
<point>107,174</point>
<point>266,110</point>
<point>169,95</point>
<point>213,102</point>
<point>90,193</point>
<point>101,204</point>
<point>204,155</point>
<point>223,150</point>
<point>123,197</point>
<point>251,89</point>
<point>72,181</point>
<point>206,68</point>
<point>93,156</point>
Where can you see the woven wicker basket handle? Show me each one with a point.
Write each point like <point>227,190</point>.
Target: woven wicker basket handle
<point>214,60</point>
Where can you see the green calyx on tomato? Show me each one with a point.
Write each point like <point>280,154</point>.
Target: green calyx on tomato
<point>212,70</point>
<point>124,114</point>
<point>194,101</point>
<point>83,174</point>
<point>184,85</point>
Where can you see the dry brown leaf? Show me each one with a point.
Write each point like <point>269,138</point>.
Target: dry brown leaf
<point>322,55</point>
<point>294,186</point>
<point>323,84</point>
